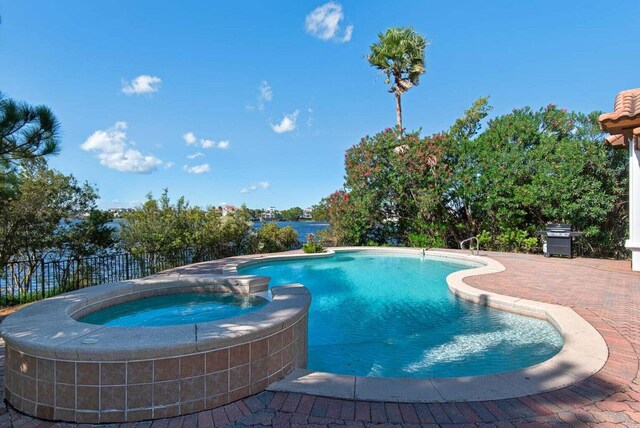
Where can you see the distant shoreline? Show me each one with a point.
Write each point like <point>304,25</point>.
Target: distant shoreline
<point>291,221</point>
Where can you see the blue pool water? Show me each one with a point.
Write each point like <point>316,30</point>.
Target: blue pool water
<point>393,316</point>
<point>174,309</point>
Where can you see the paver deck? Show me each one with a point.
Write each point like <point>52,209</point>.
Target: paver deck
<point>605,292</point>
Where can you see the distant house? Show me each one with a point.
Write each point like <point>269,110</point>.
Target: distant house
<point>306,214</point>
<point>119,212</point>
<point>269,214</point>
<point>228,209</point>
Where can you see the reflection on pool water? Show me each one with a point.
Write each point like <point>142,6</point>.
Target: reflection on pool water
<point>384,315</point>
<point>172,309</point>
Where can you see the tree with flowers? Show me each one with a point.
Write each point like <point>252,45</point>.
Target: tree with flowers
<point>397,175</point>
<point>350,217</point>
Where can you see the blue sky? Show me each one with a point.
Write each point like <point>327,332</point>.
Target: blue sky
<point>190,95</point>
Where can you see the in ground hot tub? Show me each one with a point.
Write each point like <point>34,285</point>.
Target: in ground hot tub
<point>175,309</point>
<point>59,368</point>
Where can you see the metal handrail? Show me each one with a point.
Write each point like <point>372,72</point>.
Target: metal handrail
<point>470,241</point>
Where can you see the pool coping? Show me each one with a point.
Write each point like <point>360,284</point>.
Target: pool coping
<point>584,352</point>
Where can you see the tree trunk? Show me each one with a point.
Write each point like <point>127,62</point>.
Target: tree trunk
<point>398,113</point>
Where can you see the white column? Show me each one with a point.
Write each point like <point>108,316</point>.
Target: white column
<point>633,243</point>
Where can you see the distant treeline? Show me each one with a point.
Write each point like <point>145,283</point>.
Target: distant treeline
<point>315,213</point>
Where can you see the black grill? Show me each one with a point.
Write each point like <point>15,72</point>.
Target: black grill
<point>559,239</point>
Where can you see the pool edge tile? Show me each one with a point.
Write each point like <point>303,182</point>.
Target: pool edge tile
<point>317,383</point>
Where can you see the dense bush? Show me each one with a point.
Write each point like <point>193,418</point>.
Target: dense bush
<point>523,170</point>
<point>272,239</point>
<point>161,227</point>
<point>158,226</point>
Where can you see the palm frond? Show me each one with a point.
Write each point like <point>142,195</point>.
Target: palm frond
<point>400,52</point>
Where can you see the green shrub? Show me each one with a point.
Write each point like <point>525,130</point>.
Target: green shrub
<point>516,240</point>
<point>313,247</point>
<point>272,239</point>
<point>326,237</point>
<point>420,240</point>
<point>484,238</point>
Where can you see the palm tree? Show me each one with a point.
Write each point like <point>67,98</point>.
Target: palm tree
<point>399,53</point>
<point>27,133</point>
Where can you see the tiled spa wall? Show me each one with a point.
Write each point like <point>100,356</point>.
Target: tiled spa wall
<point>113,391</point>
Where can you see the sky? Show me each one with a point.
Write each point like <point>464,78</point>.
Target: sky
<point>256,102</point>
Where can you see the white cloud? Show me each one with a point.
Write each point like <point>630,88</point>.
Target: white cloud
<point>309,117</point>
<point>287,124</point>
<point>189,138</point>
<point>255,186</point>
<point>195,155</point>
<point>143,84</point>
<point>168,165</point>
<point>265,95</point>
<point>348,32</point>
<point>207,144</point>
<point>115,151</point>
<point>197,169</point>
<point>210,144</point>
<point>324,23</point>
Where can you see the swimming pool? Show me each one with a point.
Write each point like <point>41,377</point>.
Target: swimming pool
<point>382,315</point>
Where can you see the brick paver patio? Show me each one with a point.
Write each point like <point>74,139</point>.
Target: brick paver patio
<point>605,292</point>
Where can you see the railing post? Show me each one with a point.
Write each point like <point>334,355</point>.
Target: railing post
<point>42,277</point>
<point>6,285</point>
<point>126,263</point>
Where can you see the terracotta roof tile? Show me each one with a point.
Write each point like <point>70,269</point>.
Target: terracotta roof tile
<point>626,109</point>
<point>617,141</point>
